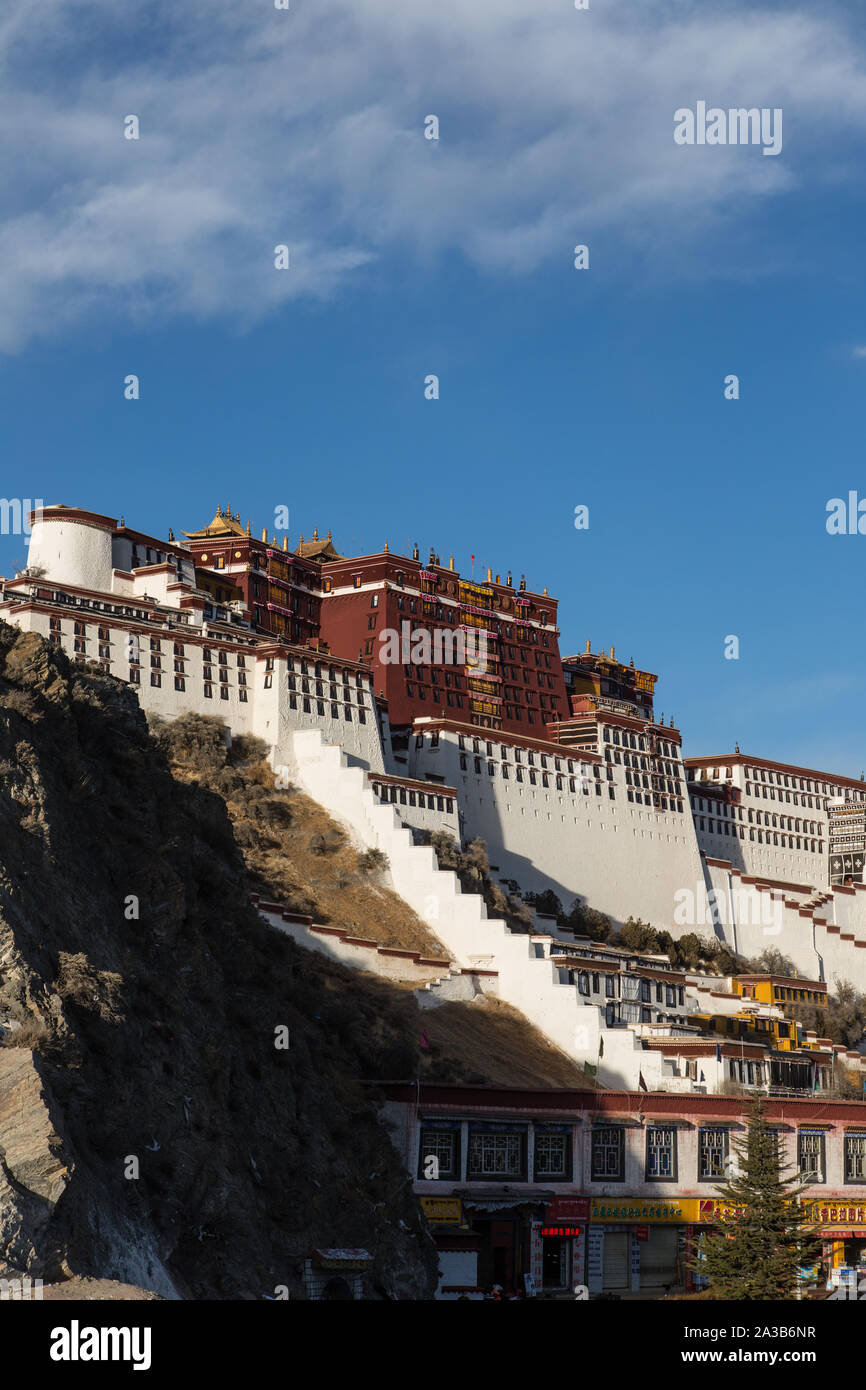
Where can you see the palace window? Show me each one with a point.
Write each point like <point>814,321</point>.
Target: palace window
<point>855,1157</point>
<point>661,1153</point>
<point>439,1154</point>
<point>552,1156</point>
<point>608,1151</point>
<point>712,1152</point>
<point>810,1155</point>
<point>496,1153</point>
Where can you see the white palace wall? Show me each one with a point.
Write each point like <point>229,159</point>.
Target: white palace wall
<point>72,552</point>
<point>825,938</point>
<point>251,691</point>
<point>621,858</point>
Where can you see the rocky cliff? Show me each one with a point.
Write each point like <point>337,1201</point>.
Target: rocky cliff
<point>151,1131</point>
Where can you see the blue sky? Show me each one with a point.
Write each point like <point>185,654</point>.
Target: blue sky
<point>409,257</point>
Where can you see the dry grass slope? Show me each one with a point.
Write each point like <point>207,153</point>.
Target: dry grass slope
<point>506,1049</point>
<point>295,853</point>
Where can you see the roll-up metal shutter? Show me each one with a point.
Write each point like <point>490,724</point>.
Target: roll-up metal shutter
<point>658,1257</point>
<point>617,1248</point>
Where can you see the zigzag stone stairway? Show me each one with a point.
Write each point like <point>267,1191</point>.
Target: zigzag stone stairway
<point>527,978</point>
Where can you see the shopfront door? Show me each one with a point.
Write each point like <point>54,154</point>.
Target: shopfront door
<point>616,1259</point>
<point>556,1261</point>
<point>658,1257</point>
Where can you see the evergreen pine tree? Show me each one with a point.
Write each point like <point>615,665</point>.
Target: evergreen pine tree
<point>762,1236</point>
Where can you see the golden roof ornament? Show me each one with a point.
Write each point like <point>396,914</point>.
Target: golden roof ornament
<point>223,524</point>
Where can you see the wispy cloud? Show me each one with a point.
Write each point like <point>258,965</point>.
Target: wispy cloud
<point>305,126</point>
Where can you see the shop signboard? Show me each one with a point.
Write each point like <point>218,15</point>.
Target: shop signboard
<point>568,1209</point>
<point>442,1211</point>
<point>643,1211</point>
<point>830,1214</point>
<point>595,1260</point>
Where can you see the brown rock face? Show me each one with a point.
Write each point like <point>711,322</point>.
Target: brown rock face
<point>33,1171</point>
<point>150,1131</point>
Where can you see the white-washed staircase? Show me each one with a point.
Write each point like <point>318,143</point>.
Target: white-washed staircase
<point>527,978</point>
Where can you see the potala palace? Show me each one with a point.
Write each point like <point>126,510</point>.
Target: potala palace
<point>559,763</point>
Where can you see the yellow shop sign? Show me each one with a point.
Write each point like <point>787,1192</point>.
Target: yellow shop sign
<point>442,1211</point>
<point>822,1211</point>
<point>643,1210</point>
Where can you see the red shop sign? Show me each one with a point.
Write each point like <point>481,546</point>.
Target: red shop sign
<point>568,1209</point>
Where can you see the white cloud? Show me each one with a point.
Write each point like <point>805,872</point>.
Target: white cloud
<point>306,127</point>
